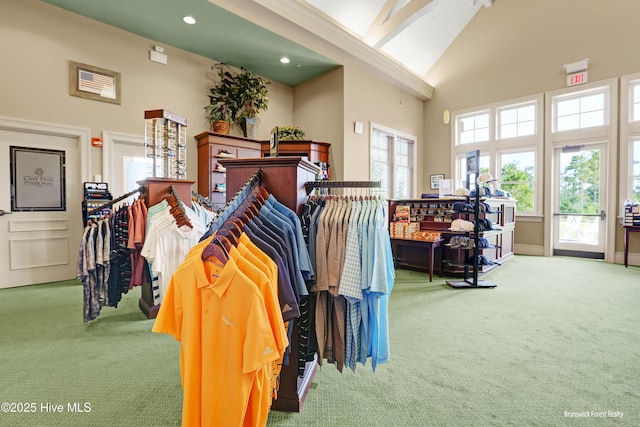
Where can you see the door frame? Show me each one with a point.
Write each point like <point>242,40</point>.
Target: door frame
<point>81,135</point>
<point>581,248</point>
<point>608,133</point>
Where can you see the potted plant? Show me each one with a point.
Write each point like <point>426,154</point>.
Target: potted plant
<point>222,102</point>
<point>250,98</point>
<point>290,133</point>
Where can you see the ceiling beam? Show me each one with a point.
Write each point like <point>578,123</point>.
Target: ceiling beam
<point>378,36</point>
<point>301,24</point>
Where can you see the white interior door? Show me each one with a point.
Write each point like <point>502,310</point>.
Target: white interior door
<point>37,244</point>
<point>580,200</point>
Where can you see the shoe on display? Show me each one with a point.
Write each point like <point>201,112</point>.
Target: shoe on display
<point>226,154</point>
<point>220,168</point>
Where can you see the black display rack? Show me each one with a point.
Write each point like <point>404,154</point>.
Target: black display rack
<point>473,169</point>
<point>96,195</point>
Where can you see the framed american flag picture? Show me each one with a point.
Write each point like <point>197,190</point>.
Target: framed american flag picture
<point>87,81</point>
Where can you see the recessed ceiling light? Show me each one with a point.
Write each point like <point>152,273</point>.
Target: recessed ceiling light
<point>189,20</point>
<point>284,60</point>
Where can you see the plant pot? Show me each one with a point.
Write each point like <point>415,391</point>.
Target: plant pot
<point>247,127</point>
<point>222,126</point>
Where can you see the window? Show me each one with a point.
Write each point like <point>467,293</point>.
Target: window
<point>509,136</point>
<point>392,162</point>
<point>518,177</point>
<point>630,132</point>
<point>473,128</point>
<point>579,110</point>
<point>517,121</point>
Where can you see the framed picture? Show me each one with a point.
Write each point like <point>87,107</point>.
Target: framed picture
<point>473,166</point>
<point>99,84</point>
<point>37,179</point>
<point>435,181</point>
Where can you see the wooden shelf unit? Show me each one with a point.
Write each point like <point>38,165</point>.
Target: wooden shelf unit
<point>209,146</point>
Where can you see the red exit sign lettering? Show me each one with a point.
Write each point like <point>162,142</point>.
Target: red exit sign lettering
<point>577,78</point>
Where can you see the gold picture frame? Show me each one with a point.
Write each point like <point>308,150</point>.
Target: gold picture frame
<point>99,84</point>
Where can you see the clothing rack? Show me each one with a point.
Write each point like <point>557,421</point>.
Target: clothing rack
<point>233,203</point>
<point>114,201</point>
<point>202,200</point>
<point>309,186</point>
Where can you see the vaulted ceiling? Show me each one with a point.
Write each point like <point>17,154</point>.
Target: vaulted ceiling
<point>397,40</point>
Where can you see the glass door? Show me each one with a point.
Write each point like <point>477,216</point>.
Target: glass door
<point>580,200</point>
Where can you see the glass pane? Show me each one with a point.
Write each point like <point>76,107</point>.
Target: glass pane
<point>482,135</point>
<point>636,92</point>
<point>527,113</point>
<point>568,122</point>
<point>509,131</point>
<point>579,229</point>
<point>482,121</point>
<point>526,128</point>
<point>466,124</point>
<point>524,194</point>
<point>380,172</point>
<point>570,106</point>
<point>636,112</point>
<point>595,118</point>
<point>636,188</point>
<point>580,182</point>
<point>485,162</point>
<point>466,137</point>
<point>592,103</point>
<point>636,157</point>
<point>517,176</point>
<point>402,179</point>
<point>508,116</point>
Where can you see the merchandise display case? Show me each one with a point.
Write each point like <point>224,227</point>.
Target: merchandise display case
<point>408,219</point>
<point>165,143</point>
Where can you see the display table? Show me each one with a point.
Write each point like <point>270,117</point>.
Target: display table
<point>404,251</point>
<point>628,229</point>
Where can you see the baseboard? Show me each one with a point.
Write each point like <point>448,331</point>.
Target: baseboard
<point>533,250</point>
<point>633,260</point>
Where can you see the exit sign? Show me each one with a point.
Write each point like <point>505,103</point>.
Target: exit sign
<point>577,78</point>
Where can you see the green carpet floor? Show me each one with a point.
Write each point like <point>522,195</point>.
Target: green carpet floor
<point>557,337</point>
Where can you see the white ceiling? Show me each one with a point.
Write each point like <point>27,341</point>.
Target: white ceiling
<point>413,32</point>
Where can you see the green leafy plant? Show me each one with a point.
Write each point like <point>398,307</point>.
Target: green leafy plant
<point>290,133</point>
<point>250,93</point>
<point>222,97</point>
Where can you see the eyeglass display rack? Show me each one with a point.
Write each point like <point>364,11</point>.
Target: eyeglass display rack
<point>165,143</point>
<point>473,282</point>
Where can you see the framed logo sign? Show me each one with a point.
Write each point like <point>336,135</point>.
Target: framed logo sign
<point>37,179</point>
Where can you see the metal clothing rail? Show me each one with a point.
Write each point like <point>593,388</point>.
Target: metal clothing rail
<point>111,202</point>
<point>341,184</point>
<point>233,203</point>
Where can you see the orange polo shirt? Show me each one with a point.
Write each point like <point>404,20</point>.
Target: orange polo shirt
<point>220,317</point>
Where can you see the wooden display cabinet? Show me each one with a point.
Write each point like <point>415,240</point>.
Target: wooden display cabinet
<point>211,181</point>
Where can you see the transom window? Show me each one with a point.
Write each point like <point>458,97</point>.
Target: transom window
<point>473,128</point>
<point>517,121</point>
<point>580,110</point>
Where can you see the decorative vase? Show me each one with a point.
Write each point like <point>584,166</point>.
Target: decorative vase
<point>247,127</point>
<point>222,126</point>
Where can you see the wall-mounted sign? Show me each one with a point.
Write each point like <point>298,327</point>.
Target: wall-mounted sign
<point>37,179</point>
<point>577,78</point>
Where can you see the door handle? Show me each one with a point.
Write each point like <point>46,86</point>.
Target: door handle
<point>603,215</point>
<point>2,212</point>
